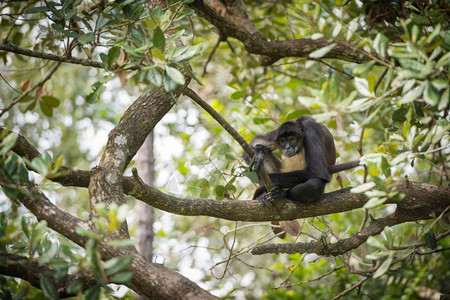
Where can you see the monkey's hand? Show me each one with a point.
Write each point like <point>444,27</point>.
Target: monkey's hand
<point>258,159</point>
<point>264,199</point>
<point>276,193</point>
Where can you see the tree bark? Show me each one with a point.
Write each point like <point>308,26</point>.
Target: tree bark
<point>145,213</point>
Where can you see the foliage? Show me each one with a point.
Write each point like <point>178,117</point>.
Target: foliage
<point>400,96</point>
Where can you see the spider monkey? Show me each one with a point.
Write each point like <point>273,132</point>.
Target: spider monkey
<point>309,157</point>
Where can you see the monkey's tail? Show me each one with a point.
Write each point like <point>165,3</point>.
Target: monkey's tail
<point>344,166</point>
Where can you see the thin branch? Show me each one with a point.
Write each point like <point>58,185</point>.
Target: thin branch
<point>341,246</point>
<point>193,95</point>
<point>219,40</point>
<point>39,84</point>
<point>317,278</point>
<point>345,292</point>
<point>10,47</point>
<point>334,68</point>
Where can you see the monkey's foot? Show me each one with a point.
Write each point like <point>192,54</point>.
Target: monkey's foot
<point>276,193</point>
<point>265,200</point>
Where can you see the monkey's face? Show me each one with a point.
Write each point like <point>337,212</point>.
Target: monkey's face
<point>289,145</point>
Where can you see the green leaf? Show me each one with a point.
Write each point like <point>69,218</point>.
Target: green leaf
<point>380,44</point>
<point>86,38</point>
<point>220,149</point>
<point>363,68</point>
<point>75,286</point>
<point>92,293</point>
<point>189,53</point>
<point>98,89</point>
<point>431,95</point>
<point>362,86</point>
<point>138,36</point>
<point>375,243</point>
<point>363,187</point>
<point>399,115</point>
<point>122,243</point>
<point>238,95</point>
<point>322,51</point>
<point>48,288</point>
<point>159,40</point>
<point>118,264</point>
<point>413,94</point>
<point>252,176</point>
<point>47,110</point>
<point>175,75</point>
<point>443,61</point>
<point>430,240</point>
<point>158,54</point>
<point>51,101</point>
<point>168,83</point>
<point>87,233</point>
<point>8,142</point>
<point>297,113</point>
<point>113,55</point>
<point>199,160</point>
<point>400,158</point>
<point>375,202</point>
<point>384,165</point>
<point>102,22</point>
<point>11,164</point>
<point>38,9</point>
<point>384,267</point>
<point>123,277</point>
<point>155,77</point>
<point>411,64</point>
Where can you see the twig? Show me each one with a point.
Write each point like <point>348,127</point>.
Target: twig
<point>219,40</point>
<point>318,278</point>
<point>10,47</point>
<point>40,83</point>
<point>334,68</point>
<point>345,292</point>
<point>431,151</point>
<point>14,89</point>
<point>193,95</point>
<point>230,256</point>
<point>361,135</point>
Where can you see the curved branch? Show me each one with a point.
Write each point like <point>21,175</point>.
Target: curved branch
<point>31,271</point>
<point>10,47</point>
<point>232,20</point>
<point>420,197</point>
<point>149,279</point>
<point>193,95</point>
<point>340,247</point>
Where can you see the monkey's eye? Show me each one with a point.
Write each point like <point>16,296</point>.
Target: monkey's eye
<point>292,139</point>
<point>282,141</point>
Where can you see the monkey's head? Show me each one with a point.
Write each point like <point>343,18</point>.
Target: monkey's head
<point>289,138</point>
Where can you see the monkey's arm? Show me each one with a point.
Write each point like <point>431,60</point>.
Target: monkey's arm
<point>291,179</point>
<point>264,145</point>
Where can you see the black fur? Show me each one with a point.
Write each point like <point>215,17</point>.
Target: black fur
<point>303,185</point>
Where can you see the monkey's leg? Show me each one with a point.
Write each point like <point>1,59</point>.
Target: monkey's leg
<point>307,192</point>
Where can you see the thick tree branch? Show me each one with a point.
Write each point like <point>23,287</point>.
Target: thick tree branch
<point>232,20</point>
<point>424,197</point>
<point>31,271</point>
<point>148,278</point>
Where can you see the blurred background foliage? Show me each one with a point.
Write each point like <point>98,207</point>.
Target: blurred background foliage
<point>400,95</point>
